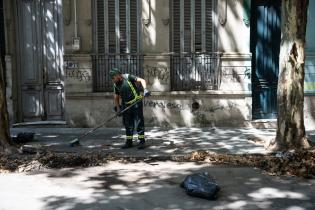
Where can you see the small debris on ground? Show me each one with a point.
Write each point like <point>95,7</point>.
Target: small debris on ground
<point>30,149</point>
<point>257,140</point>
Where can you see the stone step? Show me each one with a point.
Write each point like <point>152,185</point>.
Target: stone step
<point>264,123</point>
<point>41,124</point>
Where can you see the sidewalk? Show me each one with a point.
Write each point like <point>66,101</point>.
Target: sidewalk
<point>160,141</point>
<point>153,185</point>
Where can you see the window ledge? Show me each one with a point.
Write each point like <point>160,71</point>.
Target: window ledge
<point>185,94</point>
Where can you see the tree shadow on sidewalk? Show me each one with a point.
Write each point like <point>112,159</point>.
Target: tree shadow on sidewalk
<point>145,186</point>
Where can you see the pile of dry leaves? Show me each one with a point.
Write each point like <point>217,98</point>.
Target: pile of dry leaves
<point>300,163</point>
<point>19,162</point>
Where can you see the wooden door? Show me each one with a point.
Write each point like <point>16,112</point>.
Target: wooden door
<point>39,60</point>
<point>265,48</point>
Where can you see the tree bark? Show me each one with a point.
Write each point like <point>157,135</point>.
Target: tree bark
<point>290,93</point>
<point>5,140</point>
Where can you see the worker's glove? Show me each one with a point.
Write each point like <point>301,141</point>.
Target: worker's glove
<point>146,93</point>
<point>118,110</point>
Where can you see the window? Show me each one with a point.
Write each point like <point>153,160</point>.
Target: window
<point>193,63</point>
<point>192,26</point>
<point>117,41</point>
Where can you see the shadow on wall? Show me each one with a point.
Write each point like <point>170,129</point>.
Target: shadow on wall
<point>197,112</point>
<point>170,112</point>
<point>229,31</point>
<point>181,112</point>
<point>310,111</point>
<point>150,22</point>
<point>228,38</point>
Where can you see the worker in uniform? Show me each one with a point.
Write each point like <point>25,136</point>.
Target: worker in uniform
<point>126,93</point>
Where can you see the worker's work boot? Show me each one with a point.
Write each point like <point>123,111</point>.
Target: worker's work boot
<point>128,144</point>
<point>141,145</point>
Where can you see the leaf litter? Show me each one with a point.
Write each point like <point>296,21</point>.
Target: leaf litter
<point>298,163</point>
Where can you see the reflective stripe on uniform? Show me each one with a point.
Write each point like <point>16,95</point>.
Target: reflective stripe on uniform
<point>129,137</point>
<point>140,136</point>
<point>137,97</point>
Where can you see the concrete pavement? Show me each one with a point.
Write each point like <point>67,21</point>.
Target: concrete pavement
<point>160,141</point>
<point>151,186</point>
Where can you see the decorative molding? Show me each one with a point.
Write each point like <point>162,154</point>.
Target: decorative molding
<point>309,54</point>
<point>66,7</point>
<point>147,18</point>
<point>236,56</point>
<point>156,57</point>
<point>222,11</point>
<point>165,21</point>
<point>179,94</point>
<point>81,57</point>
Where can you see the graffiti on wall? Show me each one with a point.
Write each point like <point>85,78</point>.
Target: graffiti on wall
<point>238,73</point>
<point>73,71</point>
<point>78,74</point>
<point>177,106</point>
<point>207,114</point>
<point>157,72</point>
<point>165,105</point>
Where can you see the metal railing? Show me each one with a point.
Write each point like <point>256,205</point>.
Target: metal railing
<point>103,63</point>
<point>197,71</point>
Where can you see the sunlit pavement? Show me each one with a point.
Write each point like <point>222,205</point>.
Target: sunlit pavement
<point>160,141</point>
<point>151,185</point>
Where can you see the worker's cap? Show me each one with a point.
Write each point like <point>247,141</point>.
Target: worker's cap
<point>113,72</point>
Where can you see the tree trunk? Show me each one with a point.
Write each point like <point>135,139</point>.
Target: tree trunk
<point>5,140</point>
<point>290,95</point>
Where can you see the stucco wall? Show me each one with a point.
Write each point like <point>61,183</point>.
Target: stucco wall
<point>233,34</point>
<point>193,109</point>
<point>78,74</point>
<point>309,113</point>
<point>155,28</point>
<point>157,73</point>
<point>229,106</point>
<point>236,72</point>
<point>84,29</point>
<point>89,110</point>
<point>197,109</point>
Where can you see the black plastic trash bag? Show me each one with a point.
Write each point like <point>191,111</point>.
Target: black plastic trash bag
<point>201,185</point>
<point>21,138</point>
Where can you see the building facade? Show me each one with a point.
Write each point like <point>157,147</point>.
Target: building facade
<point>207,62</point>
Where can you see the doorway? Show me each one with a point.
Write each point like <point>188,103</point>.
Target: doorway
<point>265,48</point>
<point>40,51</point>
